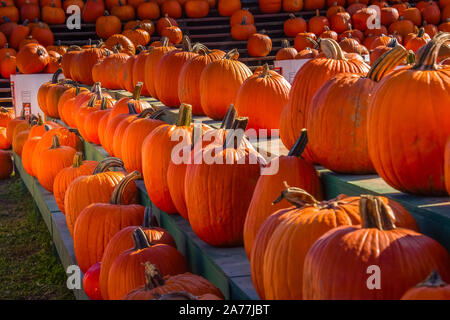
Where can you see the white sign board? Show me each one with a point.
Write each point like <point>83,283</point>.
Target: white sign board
<point>24,89</point>
<point>288,68</point>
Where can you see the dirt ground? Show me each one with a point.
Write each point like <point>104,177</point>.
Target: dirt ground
<point>29,266</point>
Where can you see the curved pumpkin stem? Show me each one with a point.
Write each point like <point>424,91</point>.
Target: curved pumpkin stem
<point>285,43</point>
<point>146,113</point>
<point>434,280</point>
<point>315,43</point>
<point>233,54</point>
<point>140,239</point>
<point>107,163</point>
<point>296,196</point>
<point>185,115</point>
<point>387,62</point>
<point>375,213</point>
<point>332,49</point>
<point>300,144</point>
<point>131,108</point>
<point>150,220</point>
<point>158,114</point>
<point>137,91</point>
<point>164,42</point>
<point>153,278</point>
<point>428,57</point>
<point>187,44</point>
<point>230,116</point>
<point>77,160</point>
<point>55,142</point>
<point>237,133</point>
<point>117,195</point>
<point>56,75</point>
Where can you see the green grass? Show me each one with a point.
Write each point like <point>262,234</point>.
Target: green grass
<point>29,266</point>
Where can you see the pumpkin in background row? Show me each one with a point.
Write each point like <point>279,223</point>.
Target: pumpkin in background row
<point>432,288</point>
<point>65,177</point>
<point>156,285</point>
<point>423,172</point>
<point>101,184</point>
<point>242,30</point>
<point>8,66</point>
<point>220,82</point>
<point>126,273</point>
<point>259,45</point>
<point>270,6</point>
<point>6,115</point>
<point>52,161</point>
<point>212,222</point>
<point>416,41</point>
<point>239,15</point>
<point>343,101</point>
<point>123,240</point>
<point>295,171</point>
<point>4,143</point>
<point>156,155</point>
<point>107,25</point>
<point>190,74</point>
<point>6,164</point>
<point>32,58</point>
<point>262,98</point>
<point>286,52</point>
<point>101,221</point>
<point>228,7</point>
<point>342,256</point>
<point>294,25</point>
<point>307,81</point>
<point>92,10</point>
<point>196,8</point>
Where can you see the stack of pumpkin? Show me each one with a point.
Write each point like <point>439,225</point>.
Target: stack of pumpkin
<point>6,165</point>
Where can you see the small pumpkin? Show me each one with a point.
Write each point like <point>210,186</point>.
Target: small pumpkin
<point>432,288</point>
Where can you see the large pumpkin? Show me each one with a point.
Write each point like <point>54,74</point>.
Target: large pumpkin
<point>262,98</point>
<point>344,101</point>
<point>232,165</point>
<point>95,188</point>
<point>307,81</point>
<point>338,265</point>
<point>190,74</point>
<point>291,168</point>
<point>65,177</point>
<point>168,71</point>
<point>126,272</point>
<point>220,82</point>
<point>123,240</point>
<point>99,222</point>
<point>151,62</point>
<point>134,137</point>
<point>418,168</point>
<point>157,153</point>
<point>52,161</point>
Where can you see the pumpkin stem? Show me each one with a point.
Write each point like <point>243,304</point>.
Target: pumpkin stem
<point>117,195</point>
<point>40,121</point>
<point>236,134</point>
<point>296,196</point>
<point>433,280</point>
<point>315,43</point>
<point>164,42</point>
<point>233,54</point>
<point>140,239</point>
<point>229,118</point>
<point>55,142</point>
<point>56,75</point>
<point>185,115</point>
<point>158,114</point>
<point>332,49</point>
<point>292,16</point>
<point>265,71</point>
<point>429,53</point>
<point>131,108</point>
<point>92,101</point>
<point>375,213</point>
<point>137,91</point>
<point>285,43</point>
<point>153,278</point>
<point>77,160</point>
<point>421,33</point>
<point>150,220</point>
<point>187,44</point>
<point>387,62</point>
<point>300,144</point>
<point>107,163</point>
<point>146,113</point>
